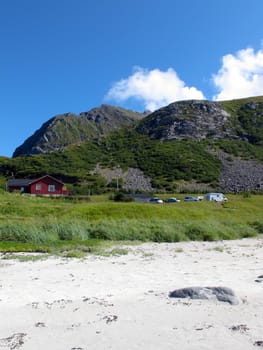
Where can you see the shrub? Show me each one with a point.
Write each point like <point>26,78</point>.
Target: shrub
<point>194,232</point>
<point>257,225</point>
<point>99,231</point>
<point>121,197</point>
<point>246,194</point>
<point>64,232</point>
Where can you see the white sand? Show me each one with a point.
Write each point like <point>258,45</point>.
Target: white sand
<point>122,302</point>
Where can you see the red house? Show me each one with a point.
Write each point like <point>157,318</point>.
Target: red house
<point>45,186</point>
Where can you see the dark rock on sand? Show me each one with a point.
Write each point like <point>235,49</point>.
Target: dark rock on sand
<point>259,343</point>
<point>212,293</point>
<point>259,279</point>
<point>242,328</point>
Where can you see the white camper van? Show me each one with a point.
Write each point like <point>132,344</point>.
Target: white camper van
<point>216,197</point>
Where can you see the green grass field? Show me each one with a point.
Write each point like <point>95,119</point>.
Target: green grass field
<point>59,225</point>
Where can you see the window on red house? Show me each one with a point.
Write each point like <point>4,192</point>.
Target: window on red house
<point>51,188</point>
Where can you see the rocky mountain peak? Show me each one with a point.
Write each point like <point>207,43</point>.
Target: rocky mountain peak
<point>194,120</point>
<point>69,129</point>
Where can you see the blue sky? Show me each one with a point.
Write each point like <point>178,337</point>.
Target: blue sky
<point>62,56</point>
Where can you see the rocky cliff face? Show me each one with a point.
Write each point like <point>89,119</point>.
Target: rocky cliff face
<point>197,120</point>
<point>71,129</point>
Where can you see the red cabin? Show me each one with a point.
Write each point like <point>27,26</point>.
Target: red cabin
<point>45,186</point>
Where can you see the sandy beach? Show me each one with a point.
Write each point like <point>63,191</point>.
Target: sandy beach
<point>122,301</point>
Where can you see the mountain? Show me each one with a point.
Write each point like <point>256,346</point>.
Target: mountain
<point>186,146</point>
<point>71,129</point>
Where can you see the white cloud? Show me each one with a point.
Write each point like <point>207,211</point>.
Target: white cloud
<point>241,75</point>
<point>155,88</point>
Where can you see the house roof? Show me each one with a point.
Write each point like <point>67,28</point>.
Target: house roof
<point>19,182</point>
<point>43,177</point>
<point>27,182</point>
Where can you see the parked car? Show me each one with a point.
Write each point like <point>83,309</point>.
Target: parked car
<point>173,200</point>
<point>156,200</point>
<point>191,199</point>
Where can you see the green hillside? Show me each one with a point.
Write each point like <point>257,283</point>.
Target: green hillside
<point>247,118</point>
<point>164,162</point>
